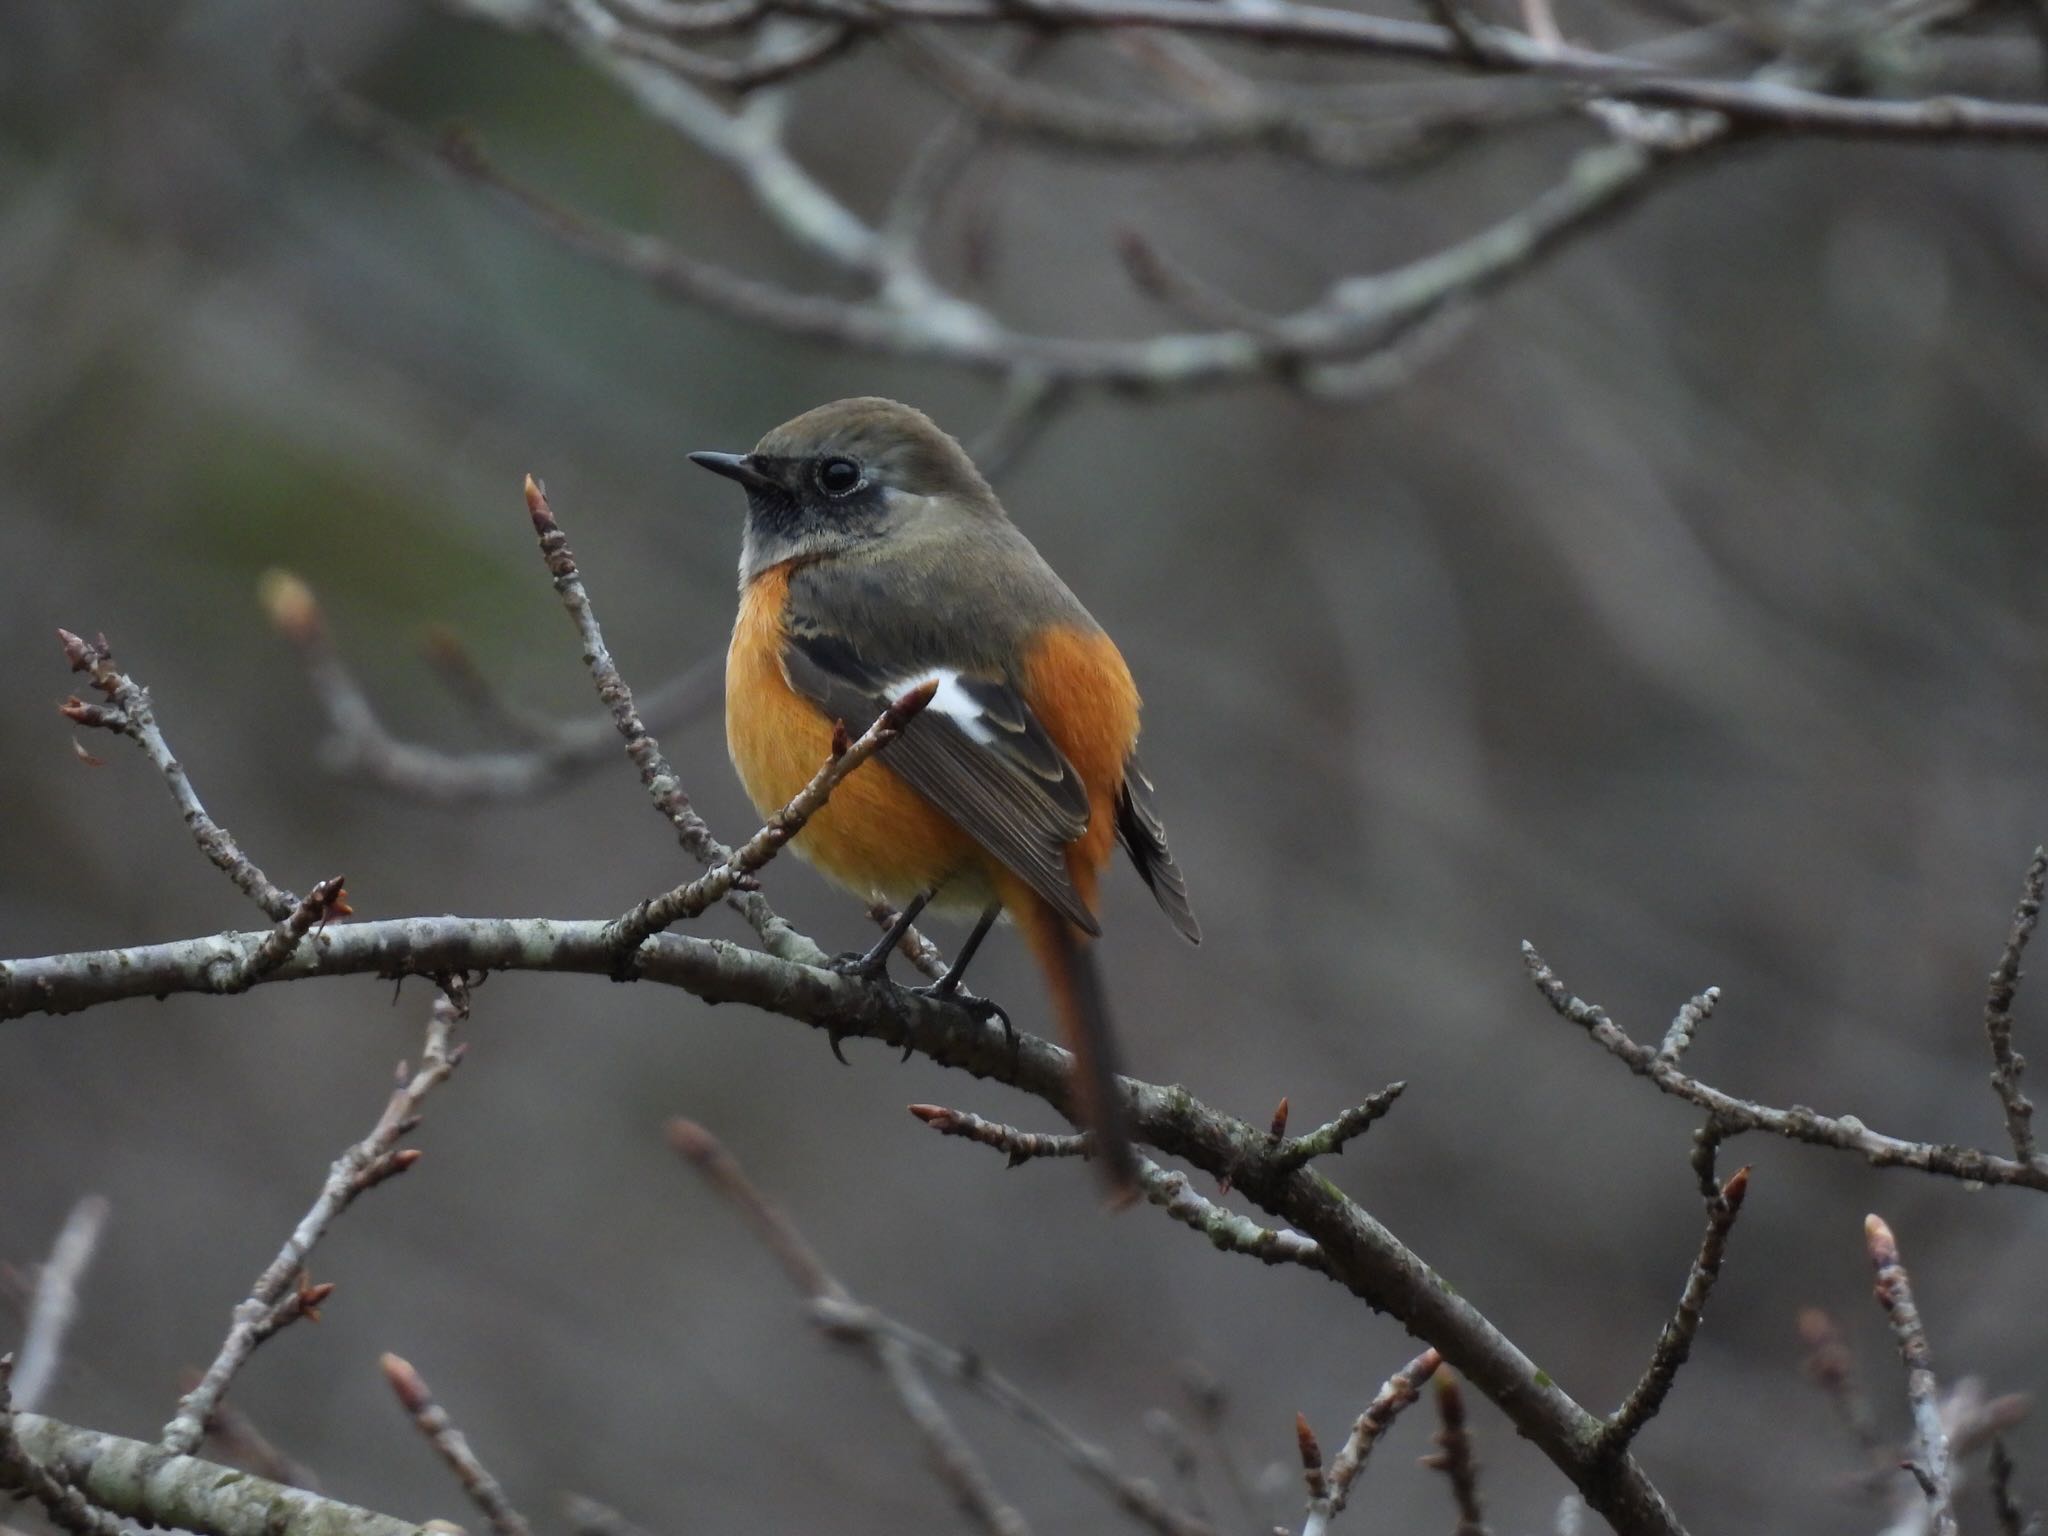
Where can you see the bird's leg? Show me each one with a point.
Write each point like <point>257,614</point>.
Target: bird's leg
<point>947,987</point>
<point>873,964</point>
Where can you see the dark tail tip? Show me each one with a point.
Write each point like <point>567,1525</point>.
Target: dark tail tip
<point>1098,1096</point>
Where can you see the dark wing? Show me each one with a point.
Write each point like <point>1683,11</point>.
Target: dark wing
<point>976,752</point>
<point>1144,838</point>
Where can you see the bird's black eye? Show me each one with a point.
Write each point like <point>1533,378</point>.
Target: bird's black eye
<point>839,477</point>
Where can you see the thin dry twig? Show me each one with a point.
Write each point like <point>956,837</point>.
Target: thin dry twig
<point>1402,1388</point>
<point>2007,1064</point>
<point>281,1293</point>
<point>1674,1343</point>
<point>1328,1140</point>
<point>689,900</point>
<point>1930,1461</point>
<point>1169,1189</point>
<point>360,747</point>
<point>1453,1456</point>
<point>2012,1520</point>
<point>952,1458</point>
<point>127,712</point>
<point>1732,1116</point>
<point>1832,1367</point>
<point>663,786</point>
<point>484,1490</point>
<point>54,1302</point>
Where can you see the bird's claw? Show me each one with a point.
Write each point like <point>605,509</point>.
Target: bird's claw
<point>860,963</point>
<point>983,1009</point>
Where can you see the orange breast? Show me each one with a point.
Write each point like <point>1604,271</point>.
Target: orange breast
<point>876,835</point>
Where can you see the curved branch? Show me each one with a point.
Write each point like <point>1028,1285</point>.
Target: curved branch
<point>1358,1251</point>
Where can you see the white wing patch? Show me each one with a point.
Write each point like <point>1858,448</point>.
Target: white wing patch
<point>952,701</point>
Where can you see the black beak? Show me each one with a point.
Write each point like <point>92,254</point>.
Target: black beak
<point>736,466</point>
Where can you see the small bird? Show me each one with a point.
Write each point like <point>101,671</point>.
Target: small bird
<point>876,559</point>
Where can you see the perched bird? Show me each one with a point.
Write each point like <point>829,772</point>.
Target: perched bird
<point>876,558</point>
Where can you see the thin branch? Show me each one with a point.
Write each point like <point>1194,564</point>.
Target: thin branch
<point>1402,1389</point>
<point>127,711</point>
<point>1357,1250</point>
<point>1674,1343</point>
<point>328,898</point>
<point>452,1446</point>
<point>1356,317</point>
<point>1930,1466</point>
<point>952,1458</point>
<point>130,1480</point>
<point>1453,1456</point>
<point>281,1294</point>
<point>2012,1520</point>
<point>1168,1189</point>
<point>1328,1140</point>
<point>687,901</point>
<point>1679,1037</point>
<point>1732,1116</point>
<point>1758,104</point>
<point>55,1301</point>
<point>1832,1367</point>
<point>2008,1064</point>
<point>235,1435</point>
<point>360,747</point>
<point>663,786</point>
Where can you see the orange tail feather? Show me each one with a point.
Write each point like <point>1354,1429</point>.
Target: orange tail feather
<point>1065,955</point>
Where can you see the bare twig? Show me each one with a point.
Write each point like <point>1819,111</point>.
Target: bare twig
<point>1169,1189</point>
<point>1674,1343</point>
<point>1732,1116</point>
<point>1833,1369</point>
<point>1678,1038</point>
<point>453,1447</point>
<point>55,1302</point>
<point>952,1458</point>
<point>328,898</point>
<point>1355,318</point>
<point>281,1293</point>
<point>1453,1456</point>
<point>1930,1462</point>
<point>2008,1064</point>
<point>2012,1520</point>
<point>1328,1140</point>
<point>686,901</point>
<point>663,786</point>
<point>360,747</point>
<point>1018,1146</point>
<point>1401,1389</point>
<point>127,711</point>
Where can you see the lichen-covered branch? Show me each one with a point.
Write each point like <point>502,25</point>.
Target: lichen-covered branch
<point>152,1485</point>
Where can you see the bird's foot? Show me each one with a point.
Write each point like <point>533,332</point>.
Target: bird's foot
<point>947,990</point>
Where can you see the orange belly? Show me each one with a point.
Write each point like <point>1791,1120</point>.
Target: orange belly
<point>876,835</point>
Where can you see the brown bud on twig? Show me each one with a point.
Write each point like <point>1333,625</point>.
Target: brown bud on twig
<point>1279,1126</point>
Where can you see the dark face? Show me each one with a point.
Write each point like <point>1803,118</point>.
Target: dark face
<point>845,475</point>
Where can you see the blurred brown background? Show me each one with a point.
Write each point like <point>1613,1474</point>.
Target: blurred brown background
<point>1689,619</point>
